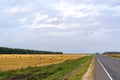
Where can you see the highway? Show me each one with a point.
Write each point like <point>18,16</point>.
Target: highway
<point>106,68</point>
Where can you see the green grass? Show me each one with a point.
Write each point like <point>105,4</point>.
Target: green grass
<point>51,72</point>
<point>81,70</point>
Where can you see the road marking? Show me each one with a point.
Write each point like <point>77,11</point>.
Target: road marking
<point>104,69</point>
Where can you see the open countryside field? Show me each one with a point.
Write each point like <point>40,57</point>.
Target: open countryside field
<point>113,55</point>
<point>20,61</point>
<point>72,69</point>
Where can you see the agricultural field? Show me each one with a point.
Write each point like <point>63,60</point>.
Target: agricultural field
<point>21,61</point>
<point>113,55</point>
<point>72,68</point>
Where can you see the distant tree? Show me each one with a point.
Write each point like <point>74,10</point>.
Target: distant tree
<point>5,50</point>
<point>106,53</point>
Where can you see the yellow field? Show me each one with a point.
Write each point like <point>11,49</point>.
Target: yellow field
<point>17,61</point>
<point>114,55</point>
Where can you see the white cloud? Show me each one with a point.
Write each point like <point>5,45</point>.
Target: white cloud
<point>16,10</point>
<point>22,21</point>
<point>67,9</point>
<point>38,17</point>
<point>57,26</point>
<point>62,33</point>
<point>52,19</point>
<point>84,10</point>
<point>38,20</point>
<point>34,26</point>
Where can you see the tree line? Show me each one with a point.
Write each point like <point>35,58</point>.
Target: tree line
<point>6,50</point>
<point>105,53</point>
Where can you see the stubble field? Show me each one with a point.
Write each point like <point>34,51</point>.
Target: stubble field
<point>114,55</point>
<point>20,61</point>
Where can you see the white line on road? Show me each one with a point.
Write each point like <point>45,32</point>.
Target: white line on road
<point>104,69</point>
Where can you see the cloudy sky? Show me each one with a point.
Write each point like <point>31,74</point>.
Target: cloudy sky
<point>78,26</point>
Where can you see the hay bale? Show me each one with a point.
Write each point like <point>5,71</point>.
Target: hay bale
<point>60,59</point>
<point>39,57</point>
<point>19,56</point>
<point>50,58</point>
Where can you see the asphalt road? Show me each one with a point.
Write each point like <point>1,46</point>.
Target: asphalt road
<point>107,68</point>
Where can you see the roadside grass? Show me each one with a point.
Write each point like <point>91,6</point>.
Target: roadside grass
<point>93,69</point>
<point>51,72</point>
<point>78,74</point>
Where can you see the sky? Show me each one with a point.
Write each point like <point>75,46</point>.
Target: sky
<point>69,26</point>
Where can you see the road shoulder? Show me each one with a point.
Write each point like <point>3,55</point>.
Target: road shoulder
<point>89,75</point>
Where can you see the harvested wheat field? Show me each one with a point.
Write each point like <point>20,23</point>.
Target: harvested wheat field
<point>20,61</point>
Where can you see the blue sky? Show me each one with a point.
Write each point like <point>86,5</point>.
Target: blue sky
<point>82,26</point>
